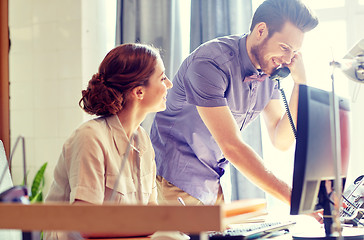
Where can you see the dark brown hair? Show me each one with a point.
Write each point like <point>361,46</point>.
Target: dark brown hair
<point>275,13</point>
<point>125,67</point>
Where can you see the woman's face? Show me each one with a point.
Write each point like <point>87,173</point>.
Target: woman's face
<point>154,99</point>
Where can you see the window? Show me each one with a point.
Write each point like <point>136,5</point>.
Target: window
<point>314,4</point>
<point>339,29</point>
<point>185,16</point>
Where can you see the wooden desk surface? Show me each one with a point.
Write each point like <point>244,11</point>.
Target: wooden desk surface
<point>125,219</point>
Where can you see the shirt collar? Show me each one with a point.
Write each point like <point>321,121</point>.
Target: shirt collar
<point>120,137</point>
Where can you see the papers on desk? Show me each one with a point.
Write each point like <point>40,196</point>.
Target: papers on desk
<point>306,226</point>
<point>244,211</point>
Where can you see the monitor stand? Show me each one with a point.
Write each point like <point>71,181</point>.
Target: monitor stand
<point>348,233</point>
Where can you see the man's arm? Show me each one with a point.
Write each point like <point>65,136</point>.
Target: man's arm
<point>226,133</point>
<point>277,122</point>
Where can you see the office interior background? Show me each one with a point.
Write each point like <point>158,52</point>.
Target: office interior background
<point>56,46</point>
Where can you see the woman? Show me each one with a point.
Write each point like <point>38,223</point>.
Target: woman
<point>110,158</point>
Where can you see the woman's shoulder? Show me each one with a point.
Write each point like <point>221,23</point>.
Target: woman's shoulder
<point>95,124</point>
<point>93,128</point>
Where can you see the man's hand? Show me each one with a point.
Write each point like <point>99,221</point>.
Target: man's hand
<point>318,216</point>
<point>297,69</point>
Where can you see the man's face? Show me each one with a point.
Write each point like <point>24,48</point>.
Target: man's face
<point>279,49</point>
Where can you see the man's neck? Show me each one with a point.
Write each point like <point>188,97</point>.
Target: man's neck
<point>249,45</point>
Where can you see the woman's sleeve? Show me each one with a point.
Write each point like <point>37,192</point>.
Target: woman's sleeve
<point>85,160</point>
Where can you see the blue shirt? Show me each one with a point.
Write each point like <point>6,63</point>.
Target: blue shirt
<point>212,76</point>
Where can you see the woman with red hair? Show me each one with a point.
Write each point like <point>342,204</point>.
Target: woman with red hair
<point>110,158</point>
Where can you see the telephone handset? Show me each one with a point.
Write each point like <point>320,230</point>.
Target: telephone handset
<point>280,73</point>
<point>277,75</point>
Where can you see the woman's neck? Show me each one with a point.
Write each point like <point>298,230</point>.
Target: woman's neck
<point>131,119</point>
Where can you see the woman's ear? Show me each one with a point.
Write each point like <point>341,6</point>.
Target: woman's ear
<point>138,93</point>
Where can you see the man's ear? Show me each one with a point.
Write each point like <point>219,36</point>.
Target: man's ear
<point>261,30</point>
<point>138,93</point>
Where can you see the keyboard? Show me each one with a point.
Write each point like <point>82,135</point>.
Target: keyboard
<point>252,231</point>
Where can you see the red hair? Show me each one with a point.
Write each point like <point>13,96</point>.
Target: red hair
<point>125,67</point>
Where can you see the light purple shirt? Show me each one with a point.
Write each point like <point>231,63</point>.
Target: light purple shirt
<point>212,76</point>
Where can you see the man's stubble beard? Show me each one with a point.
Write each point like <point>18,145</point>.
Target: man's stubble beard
<point>258,55</point>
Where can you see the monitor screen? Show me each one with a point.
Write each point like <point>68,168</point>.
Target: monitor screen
<point>314,162</point>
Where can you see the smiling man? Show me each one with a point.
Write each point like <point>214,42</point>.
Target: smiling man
<point>214,96</point>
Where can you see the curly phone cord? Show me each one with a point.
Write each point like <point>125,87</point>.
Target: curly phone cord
<point>288,111</point>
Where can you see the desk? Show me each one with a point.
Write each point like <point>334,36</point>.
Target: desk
<point>308,226</point>
<point>305,224</point>
<point>125,219</point>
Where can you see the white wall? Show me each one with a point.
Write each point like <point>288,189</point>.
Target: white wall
<point>56,47</point>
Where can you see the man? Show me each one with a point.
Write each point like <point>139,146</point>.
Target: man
<point>213,98</point>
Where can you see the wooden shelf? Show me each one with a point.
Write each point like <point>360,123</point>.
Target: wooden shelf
<point>110,218</point>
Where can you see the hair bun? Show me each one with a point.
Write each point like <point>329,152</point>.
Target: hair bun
<point>98,76</point>
<point>125,67</point>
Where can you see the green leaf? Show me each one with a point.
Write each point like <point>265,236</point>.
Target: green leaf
<point>37,198</point>
<point>37,185</point>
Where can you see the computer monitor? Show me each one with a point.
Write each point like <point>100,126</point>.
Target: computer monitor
<point>314,167</point>
<point>314,160</point>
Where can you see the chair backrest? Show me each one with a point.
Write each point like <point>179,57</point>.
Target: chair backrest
<point>5,177</point>
<point>5,184</point>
